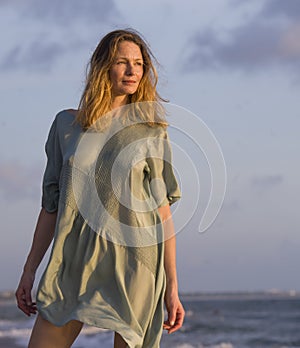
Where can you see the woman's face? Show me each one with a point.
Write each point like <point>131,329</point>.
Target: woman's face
<point>127,69</point>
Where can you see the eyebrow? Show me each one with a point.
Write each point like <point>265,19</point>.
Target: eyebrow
<point>127,58</point>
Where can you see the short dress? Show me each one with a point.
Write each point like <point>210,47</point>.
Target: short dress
<point>115,284</point>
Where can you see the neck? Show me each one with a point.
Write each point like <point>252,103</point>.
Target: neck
<point>118,101</point>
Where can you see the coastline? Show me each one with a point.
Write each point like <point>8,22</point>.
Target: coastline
<point>8,296</point>
<point>241,295</point>
<point>213,319</point>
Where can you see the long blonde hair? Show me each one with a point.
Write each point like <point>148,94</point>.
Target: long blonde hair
<point>96,99</point>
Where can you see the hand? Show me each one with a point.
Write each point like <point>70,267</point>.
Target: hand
<point>23,294</point>
<point>175,311</point>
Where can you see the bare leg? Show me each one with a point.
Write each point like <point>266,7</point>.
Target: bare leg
<point>119,342</point>
<point>46,335</point>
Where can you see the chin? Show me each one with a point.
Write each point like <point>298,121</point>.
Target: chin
<point>130,91</point>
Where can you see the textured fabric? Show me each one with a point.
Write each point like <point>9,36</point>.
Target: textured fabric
<point>89,277</point>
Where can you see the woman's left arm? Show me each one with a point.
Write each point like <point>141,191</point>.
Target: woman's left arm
<point>173,305</point>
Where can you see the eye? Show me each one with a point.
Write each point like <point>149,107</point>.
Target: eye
<point>120,62</point>
<point>139,63</point>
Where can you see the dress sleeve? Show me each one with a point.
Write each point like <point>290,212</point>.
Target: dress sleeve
<point>163,183</point>
<point>50,186</point>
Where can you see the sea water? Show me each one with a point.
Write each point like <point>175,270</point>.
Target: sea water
<point>251,320</point>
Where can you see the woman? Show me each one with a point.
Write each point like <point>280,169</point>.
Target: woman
<point>90,278</point>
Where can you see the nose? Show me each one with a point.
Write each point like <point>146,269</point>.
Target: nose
<point>129,69</point>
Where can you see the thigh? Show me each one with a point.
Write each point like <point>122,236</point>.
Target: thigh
<point>46,335</point>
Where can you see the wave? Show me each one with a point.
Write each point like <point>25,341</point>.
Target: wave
<point>221,345</point>
<point>89,336</point>
<point>8,329</point>
<point>15,333</point>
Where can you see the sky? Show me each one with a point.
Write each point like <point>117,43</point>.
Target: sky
<point>233,64</point>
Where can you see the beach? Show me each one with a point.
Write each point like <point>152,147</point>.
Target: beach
<point>219,320</point>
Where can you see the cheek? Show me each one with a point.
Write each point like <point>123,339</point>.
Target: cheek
<point>114,75</point>
<point>140,74</point>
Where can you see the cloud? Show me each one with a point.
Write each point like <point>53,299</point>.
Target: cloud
<point>64,12</point>
<point>268,39</point>
<point>288,8</point>
<point>231,205</point>
<point>51,29</point>
<point>37,56</point>
<point>19,182</point>
<point>266,182</point>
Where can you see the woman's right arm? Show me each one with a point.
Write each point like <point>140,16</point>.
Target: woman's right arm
<point>43,236</point>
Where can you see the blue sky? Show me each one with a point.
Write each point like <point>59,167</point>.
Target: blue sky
<point>235,64</point>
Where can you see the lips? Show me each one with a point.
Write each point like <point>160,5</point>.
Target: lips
<point>129,81</point>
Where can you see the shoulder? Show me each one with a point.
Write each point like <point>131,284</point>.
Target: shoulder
<point>66,113</point>
<point>62,123</point>
<point>65,117</point>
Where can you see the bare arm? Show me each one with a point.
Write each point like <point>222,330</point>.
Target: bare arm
<point>43,236</point>
<point>173,304</point>
<point>170,246</point>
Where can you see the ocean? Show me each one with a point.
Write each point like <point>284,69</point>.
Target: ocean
<point>232,320</point>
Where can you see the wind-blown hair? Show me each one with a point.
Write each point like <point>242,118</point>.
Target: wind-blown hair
<point>96,99</point>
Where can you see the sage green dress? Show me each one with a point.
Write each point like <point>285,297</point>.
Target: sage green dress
<point>93,276</point>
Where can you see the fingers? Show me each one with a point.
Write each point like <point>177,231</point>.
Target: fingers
<point>172,316</point>
<point>28,297</point>
<point>23,294</point>
<point>24,301</point>
<point>178,323</point>
<point>175,320</point>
